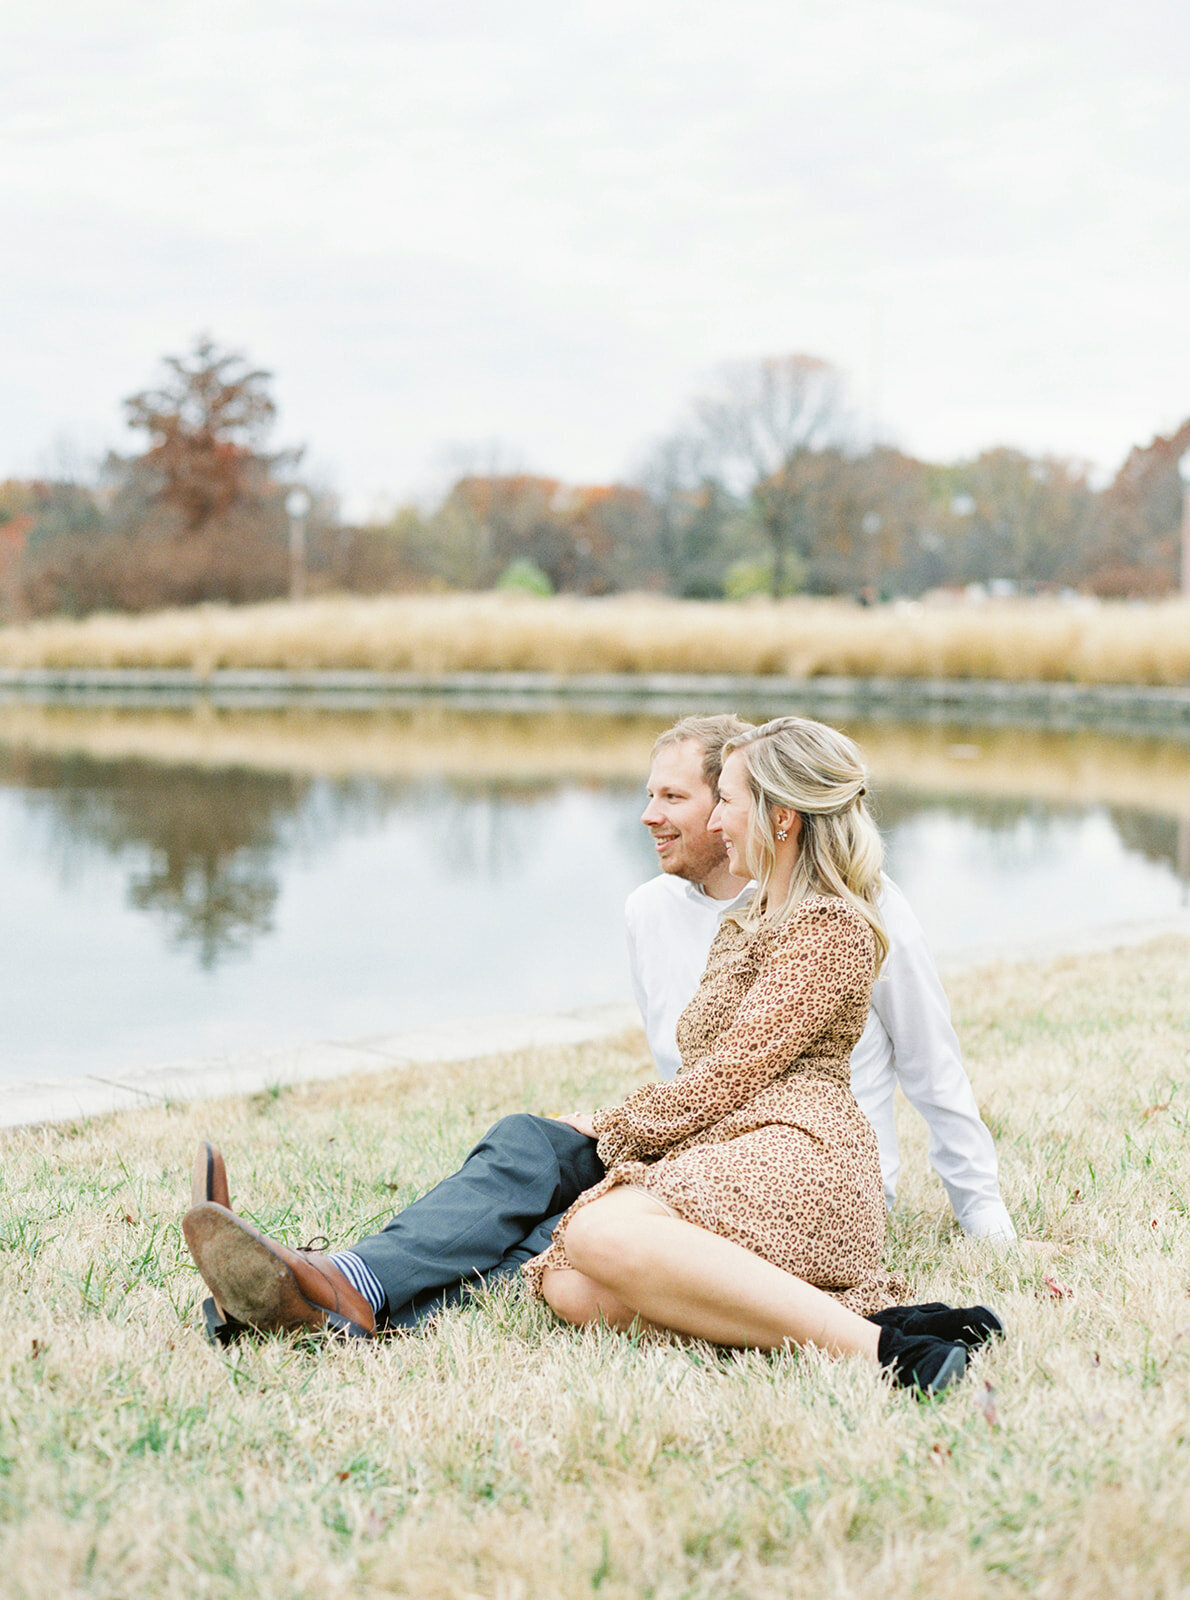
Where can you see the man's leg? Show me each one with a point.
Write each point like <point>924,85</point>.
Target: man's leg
<point>481,1219</point>
<point>423,1306</point>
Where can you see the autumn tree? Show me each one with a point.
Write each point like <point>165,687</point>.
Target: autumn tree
<point>1137,535</point>
<point>396,555</point>
<point>1017,517</point>
<point>896,548</point>
<point>584,540</point>
<point>489,520</point>
<point>203,505</point>
<point>605,548</point>
<point>206,424</point>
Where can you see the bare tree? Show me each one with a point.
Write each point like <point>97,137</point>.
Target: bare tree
<point>690,510</point>
<point>762,426</point>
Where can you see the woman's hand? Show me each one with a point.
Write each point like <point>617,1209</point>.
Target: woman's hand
<point>580,1121</point>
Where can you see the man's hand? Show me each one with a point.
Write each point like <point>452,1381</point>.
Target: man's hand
<point>580,1121</point>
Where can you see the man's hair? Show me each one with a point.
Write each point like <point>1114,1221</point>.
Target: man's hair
<point>710,734</point>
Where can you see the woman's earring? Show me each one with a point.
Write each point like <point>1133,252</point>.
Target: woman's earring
<point>782,835</point>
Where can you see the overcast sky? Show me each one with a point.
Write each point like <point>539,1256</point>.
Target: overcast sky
<point>539,223</point>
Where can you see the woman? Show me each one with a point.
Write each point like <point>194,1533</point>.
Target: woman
<point>743,1202</point>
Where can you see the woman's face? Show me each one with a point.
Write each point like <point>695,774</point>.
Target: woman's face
<point>732,816</point>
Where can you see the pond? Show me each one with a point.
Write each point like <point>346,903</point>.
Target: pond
<point>192,884</point>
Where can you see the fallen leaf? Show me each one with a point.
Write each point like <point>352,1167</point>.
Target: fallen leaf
<point>1058,1291</point>
<point>986,1402</point>
<point>1150,1111</point>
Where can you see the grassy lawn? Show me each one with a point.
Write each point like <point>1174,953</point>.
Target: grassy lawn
<point>502,1455</point>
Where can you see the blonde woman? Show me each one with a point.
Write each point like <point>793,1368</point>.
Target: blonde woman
<point>743,1202</point>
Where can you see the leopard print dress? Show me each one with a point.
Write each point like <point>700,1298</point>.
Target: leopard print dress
<point>759,1137</point>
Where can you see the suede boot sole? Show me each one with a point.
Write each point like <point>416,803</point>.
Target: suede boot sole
<point>248,1278</point>
<point>208,1181</point>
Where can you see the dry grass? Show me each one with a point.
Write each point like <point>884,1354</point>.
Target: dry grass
<point>1078,768</point>
<point>502,1455</point>
<point>1047,641</point>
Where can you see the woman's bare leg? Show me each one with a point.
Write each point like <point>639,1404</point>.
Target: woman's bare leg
<point>576,1298</point>
<point>675,1275</point>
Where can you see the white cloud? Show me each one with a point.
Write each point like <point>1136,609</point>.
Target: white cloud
<point>544,224</point>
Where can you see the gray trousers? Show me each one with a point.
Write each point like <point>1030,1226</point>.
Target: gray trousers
<point>480,1224</point>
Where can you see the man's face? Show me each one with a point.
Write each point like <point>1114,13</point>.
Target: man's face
<point>680,804</point>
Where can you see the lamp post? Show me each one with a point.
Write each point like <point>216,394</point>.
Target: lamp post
<point>297,506</point>
<point>870,527</point>
<point>1184,474</point>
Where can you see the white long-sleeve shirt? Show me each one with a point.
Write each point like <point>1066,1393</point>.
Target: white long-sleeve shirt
<point>909,1038</point>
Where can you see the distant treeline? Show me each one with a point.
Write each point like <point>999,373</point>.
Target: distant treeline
<point>761,491</point>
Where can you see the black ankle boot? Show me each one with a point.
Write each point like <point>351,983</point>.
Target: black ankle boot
<point>918,1362</point>
<point>902,1316</point>
<point>966,1325</point>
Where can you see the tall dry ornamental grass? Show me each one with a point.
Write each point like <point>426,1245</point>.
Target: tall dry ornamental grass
<point>1026,641</point>
<point>502,1455</point>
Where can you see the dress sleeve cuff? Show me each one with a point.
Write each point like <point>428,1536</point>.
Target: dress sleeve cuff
<point>608,1134</point>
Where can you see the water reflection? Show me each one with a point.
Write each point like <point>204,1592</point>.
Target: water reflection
<point>199,848</point>
<point>194,906</point>
<point>1156,838</point>
<point>437,741</point>
<point>204,849</point>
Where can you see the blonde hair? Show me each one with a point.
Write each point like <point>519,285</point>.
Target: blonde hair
<point>819,773</point>
<point>710,734</point>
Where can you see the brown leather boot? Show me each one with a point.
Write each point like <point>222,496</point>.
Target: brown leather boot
<point>268,1286</point>
<point>209,1180</point>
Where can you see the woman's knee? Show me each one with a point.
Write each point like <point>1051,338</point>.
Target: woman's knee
<point>573,1296</point>
<point>587,1242</point>
<point>603,1239</point>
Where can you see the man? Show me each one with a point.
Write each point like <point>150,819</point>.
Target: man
<point>501,1207</point>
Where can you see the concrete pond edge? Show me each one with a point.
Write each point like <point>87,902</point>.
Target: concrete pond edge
<point>1108,706</point>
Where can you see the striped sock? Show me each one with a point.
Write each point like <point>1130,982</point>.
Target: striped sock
<point>361,1278</point>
